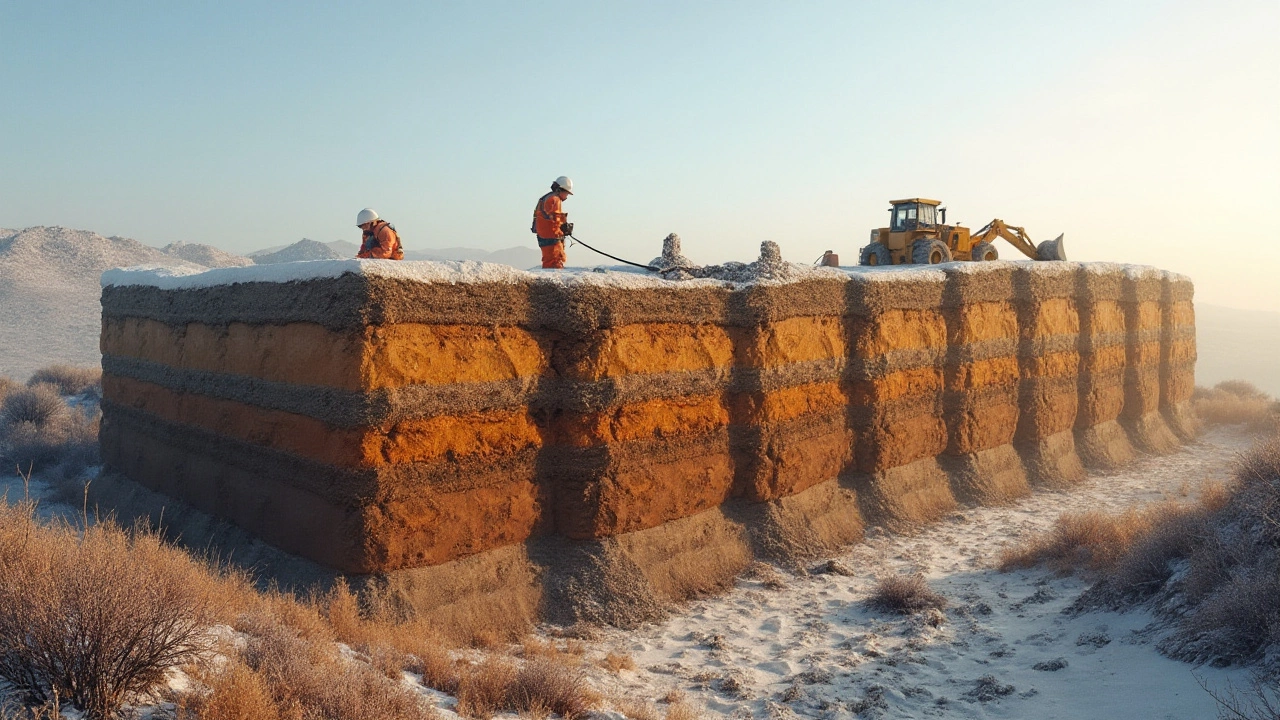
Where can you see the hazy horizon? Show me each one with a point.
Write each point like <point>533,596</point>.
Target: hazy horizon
<point>1143,131</point>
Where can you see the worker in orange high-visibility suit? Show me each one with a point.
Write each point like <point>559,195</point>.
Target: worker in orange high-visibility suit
<point>551,223</point>
<point>379,239</point>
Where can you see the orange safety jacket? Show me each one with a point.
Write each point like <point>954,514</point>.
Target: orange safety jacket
<point>381,242</point>
<point>548,216</point>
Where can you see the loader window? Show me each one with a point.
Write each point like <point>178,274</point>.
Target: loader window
<point>928,215</point>
<point>904,218</point>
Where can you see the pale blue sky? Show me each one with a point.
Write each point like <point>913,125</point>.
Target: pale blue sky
<point>1146,131</point>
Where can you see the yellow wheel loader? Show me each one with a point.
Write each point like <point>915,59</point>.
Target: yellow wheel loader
<point>918,233</point>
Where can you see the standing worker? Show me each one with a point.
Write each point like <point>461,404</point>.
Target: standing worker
<point>380,239</point>
<point>550,223</point>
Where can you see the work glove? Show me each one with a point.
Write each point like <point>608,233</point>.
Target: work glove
<point>566,228</point>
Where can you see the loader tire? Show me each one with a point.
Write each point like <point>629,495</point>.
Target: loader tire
<point>983,252</point>
<point>874,255</point>
<point>930,252</point>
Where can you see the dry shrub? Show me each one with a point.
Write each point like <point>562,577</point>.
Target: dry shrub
<point>906,594</point>
<point>7,386</point>
<point>13,710</point>
<point>1093,542</point>
<point>636,709</point>
<point>69,379</point>
<point>437,667</point>
<point>38,429</point>
<point>678,708</point>
<point>1234,402</point>
<point>1233,578</point>
<point>40,405</point>
<point>311,680</point>
<point>1213,565</point>
<point>543,684</point>
<point>617,662</point>
<point>95,615</point>
<point>234,692</point>
<point>681,710</point>
<point>482,688</point>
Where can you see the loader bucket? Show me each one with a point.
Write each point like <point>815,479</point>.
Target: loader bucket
<point>1051,250</point>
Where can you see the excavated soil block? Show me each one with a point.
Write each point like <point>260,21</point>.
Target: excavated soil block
<point>605,442</point>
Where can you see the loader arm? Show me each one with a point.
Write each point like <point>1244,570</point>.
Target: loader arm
<point>1016,236</point>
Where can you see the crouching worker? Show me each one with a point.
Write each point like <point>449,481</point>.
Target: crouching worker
<point>380,240</point>
<point>550,223</point>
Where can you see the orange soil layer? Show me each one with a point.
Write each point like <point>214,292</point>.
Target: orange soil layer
<point>1111,357</point>
<point>309,354</point>
<point>891,330</point>
<point>645,349</point>
<point>1108,317</point>
<point>1056,316</point>
<point>787,404</point>
<point>1148,316</point>
<point>1181,314</point>
<point>983,373</point>
<point>795,340</point>
<point>1053,365</point>
<point>976,322</point>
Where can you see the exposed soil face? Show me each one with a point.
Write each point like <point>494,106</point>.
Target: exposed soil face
<point>813,646</point>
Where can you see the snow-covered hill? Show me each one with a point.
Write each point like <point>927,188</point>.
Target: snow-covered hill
<point>304,249</point>
<point>206,255</point>
<point>49,292</point>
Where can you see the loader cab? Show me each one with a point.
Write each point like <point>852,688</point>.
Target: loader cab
<point>912,214</point>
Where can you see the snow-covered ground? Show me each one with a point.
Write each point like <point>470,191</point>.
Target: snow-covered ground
<point>1005,650</point>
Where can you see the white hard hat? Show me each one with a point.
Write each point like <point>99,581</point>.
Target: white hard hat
<point>565,184</point>
<point>366,215</point>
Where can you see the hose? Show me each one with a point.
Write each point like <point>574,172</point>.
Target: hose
<point>650,268</point>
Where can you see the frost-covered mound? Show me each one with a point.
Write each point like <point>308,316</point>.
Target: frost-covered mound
<point>304,249</point>
<point>206,255</point>
<point>49,293</point>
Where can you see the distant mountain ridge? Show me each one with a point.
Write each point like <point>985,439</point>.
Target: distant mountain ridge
<point>206,255</point>
<point>304,249</point>
<point>49,290</point>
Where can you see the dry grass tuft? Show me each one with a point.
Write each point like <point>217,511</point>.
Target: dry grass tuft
<point>906,594</point>
<point>94,615</point>
<point>69,379</point>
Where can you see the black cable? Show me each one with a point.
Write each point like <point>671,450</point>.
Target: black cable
<point>650,268</point>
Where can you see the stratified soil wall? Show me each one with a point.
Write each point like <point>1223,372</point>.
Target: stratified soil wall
<point>644,437</point>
